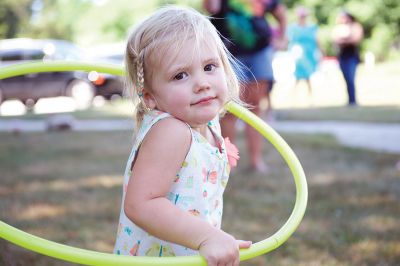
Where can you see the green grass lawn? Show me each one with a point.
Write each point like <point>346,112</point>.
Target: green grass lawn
<point>66,187</point>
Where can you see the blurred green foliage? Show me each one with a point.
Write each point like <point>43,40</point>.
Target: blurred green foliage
<point>14,16</point>
<point>90,22</point>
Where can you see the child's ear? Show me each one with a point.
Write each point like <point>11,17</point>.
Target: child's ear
<point>149,99</point>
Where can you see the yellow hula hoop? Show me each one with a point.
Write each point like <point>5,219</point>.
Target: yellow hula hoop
<point>88,257</point>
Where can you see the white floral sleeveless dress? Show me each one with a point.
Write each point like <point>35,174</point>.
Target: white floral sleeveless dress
<point>197,189</point>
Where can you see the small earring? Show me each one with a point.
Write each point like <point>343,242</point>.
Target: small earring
<point>147,109</point>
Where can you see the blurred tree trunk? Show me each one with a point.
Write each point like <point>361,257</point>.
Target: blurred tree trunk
<point>14,16</point>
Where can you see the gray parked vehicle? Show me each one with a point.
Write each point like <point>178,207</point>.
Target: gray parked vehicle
<point>107,85</point>
<point>32,87</point>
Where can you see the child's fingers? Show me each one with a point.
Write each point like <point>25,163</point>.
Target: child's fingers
<point>244,244</point>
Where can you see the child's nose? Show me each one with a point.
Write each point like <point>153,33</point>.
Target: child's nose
<point>202,83</point>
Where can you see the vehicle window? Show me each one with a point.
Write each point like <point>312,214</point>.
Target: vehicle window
<point>33,54</point>
<point>67,51</point>
<point>10,56</point>
<point>17,55</point>
<point>117,57</point>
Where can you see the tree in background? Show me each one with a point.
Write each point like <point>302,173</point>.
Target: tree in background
<point>56,19</point>
<point>14,17</point>
<point>41,18</point>
<point>110,21</point>
<point>83,21</point>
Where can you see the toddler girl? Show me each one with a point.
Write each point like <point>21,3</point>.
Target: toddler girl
<point>181,76</point>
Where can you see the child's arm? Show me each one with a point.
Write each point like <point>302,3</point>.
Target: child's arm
<point>159,159</point>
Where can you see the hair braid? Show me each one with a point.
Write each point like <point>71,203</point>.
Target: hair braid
<point>141,108</point>
<point>140,71</point>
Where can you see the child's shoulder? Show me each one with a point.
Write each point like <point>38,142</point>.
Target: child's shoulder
<point>169,133</point>
<point>171,124</point>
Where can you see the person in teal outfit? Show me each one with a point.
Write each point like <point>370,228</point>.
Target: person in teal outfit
<point>304,46</point>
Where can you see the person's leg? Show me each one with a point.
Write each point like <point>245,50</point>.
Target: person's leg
<point>348,69</point>
<point>308,82</point>
<point>261,88</point>
<point>269,114</point>
<point>253,93</point>
<point>268,76</point>
<point>258,69</point>
<point>303,72</point>
<point>268,89</point>
<point>352,66</point>
<point>228,128</point>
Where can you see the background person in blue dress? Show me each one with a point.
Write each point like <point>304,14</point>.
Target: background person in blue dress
<point>304,46</point>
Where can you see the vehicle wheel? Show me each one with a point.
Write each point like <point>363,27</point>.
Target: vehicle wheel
<point>30,104</point>
<point>115,97</point>
<point>81,91</point>
<point>113,87</point>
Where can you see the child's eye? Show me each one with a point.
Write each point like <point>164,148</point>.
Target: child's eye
<point>180,76</point>
<point>209,67</point>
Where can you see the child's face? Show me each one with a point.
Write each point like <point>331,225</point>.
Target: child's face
<point>191,86</point>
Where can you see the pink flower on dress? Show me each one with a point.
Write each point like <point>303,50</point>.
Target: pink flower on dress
<point>232,152</point>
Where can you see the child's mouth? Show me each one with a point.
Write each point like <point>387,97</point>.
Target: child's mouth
<point>204,100</point>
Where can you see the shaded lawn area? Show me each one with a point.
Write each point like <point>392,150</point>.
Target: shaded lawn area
<point>66,187</point>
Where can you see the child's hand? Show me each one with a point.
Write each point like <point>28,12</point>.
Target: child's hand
<point>222,249</point>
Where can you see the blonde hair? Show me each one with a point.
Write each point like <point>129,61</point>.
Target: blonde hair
<point>167,30</point>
